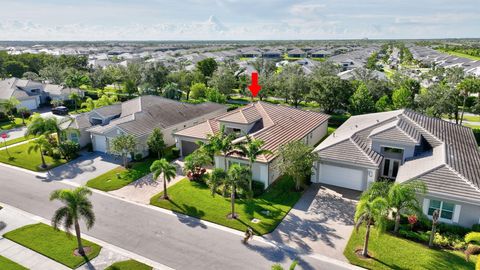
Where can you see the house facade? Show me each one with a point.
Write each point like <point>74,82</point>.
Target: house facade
<point>138,117</point>
<point>275,125</point>
<point>33,94</point>
<point>403,146</point>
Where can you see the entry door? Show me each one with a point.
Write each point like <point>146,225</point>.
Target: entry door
<point>390,168</point>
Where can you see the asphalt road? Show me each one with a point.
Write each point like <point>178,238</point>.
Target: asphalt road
<point>175,241</point>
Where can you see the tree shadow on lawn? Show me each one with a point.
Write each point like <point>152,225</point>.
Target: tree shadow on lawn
<point>192,216</point>
<point>278,255</point>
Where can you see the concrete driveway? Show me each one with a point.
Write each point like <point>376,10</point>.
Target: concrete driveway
<point>321,222</point>
<point>84,168</point>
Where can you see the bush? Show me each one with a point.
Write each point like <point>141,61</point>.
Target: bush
<point>476,132</point>
<point>422,237</point>
<point>258,188</point>
<point>476,227</point>
<point>232,107</point>
<point>452,229</point>
<point>138,156</point>
<point>69,149</point>
<point>448,240</point>
<point>337,120</point>
<point>175,152</point>
<point>56,155</point>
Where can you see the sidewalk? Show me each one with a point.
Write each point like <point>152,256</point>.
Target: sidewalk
<point>15,218</point>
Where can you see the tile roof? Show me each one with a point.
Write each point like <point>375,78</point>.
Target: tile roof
<point>141,115</point>
<point>276,125</point>
<point>453,147</point>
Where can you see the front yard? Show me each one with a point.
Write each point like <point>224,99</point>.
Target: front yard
<point>10,265</point>
<point>20,157</point>
<point>120,177</point>
<point>129,265</point>
<point>390,252</point>
<point>195,199</point>
<point>53,244</point>
<point>6,125</point>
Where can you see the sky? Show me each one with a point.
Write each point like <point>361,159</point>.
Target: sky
<point>237,19</point>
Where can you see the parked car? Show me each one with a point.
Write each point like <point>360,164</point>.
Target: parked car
<point>60,110</point>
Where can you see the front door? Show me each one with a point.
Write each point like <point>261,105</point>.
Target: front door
<point>390,168</point>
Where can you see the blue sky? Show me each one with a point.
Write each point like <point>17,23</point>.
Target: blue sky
<point>237,19</point>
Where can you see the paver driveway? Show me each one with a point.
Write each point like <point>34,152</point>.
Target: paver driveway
<point>321,222</point>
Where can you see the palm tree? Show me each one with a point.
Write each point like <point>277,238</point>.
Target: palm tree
<point>76,206</point>
<point>236,178</point>
<point>368,212</point>
<point>37,146</point>
<point>9,105</point>
<point>217,178</point>
<point>23,111</point>
<point>42,126</point>
<point>252,148</point>
<point>168,170</point>
<point>219,143</point>
<point>403,197</point>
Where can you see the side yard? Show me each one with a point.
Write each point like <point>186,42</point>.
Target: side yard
<point>195,199</point>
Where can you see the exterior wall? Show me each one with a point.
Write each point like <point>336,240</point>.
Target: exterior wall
<point>465,214</point>
<point>408,149</point>
<point>316,135</point>
<point>180,139</point>
<point>31,103</point>
<point>83,136</point>
<point>273,171</point>
<point>260,171</point>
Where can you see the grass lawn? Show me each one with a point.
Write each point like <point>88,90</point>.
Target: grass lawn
<point>194,199</point>
<point>129,265</point>
<point>390,252</point>
<point>10,265</point>
<point>109,180</point>
<point>14,141</point>
<point>53,244</point>
<point>30,161</point>
<point>472,118</point>
<point>6,125</point>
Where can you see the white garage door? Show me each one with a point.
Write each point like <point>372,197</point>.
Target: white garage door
<point>99,143</point>
<point>342,177</point>
<point>30,104</point>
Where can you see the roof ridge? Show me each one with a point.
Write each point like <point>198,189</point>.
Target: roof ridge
<point>361,150</point>
<point>260,104</point>
<point>424,129</point>
<point>403,131</point>
<point>462,177</point>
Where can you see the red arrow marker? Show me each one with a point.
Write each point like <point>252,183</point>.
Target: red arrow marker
<point>254,87</point>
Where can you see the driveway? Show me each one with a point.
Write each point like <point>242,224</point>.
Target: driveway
<point>321,222</point>
<point>84,168</point>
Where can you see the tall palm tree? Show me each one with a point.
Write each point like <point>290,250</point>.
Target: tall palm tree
<point>236,178</point>
<point>217,178</point>
<point>168,170</point>
<point>252,148</point>
<point>219,143</point>
<point>369,212</point>
<point>403,197</point>
<point>76,206</point>
<point>75,97</point>
<point>44,126</point>
<point>38,145</point>
<point>9,105</point>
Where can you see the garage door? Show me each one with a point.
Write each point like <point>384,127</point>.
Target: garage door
<point>30,104</point>
<point>99,143</point>
<point>188,147</point>
<point>341,176</point>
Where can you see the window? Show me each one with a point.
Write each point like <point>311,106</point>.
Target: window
<point>446,209</point>
<point>392,150</point>
<point>74,137</point>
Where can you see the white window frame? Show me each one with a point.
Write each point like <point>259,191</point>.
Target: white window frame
<point>455,212</point>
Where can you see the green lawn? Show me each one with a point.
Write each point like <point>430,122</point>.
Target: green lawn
<point>14,141</point>
<point>10,265</point>
<point>390,252</point>
<point>110,181</point>
<point>129,265</point>
<point>194,199</point>
<point>20,157</point>
<point>51,243</point>
<point>464,55</point>
<point>472,118</point>
<point>6,125</point>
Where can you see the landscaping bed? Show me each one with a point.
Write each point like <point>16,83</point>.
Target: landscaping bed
<point>10,265</point>
<point>195,199</point>
<point>20,157</point>
<point>391,252</point>
<point>52,243</point>
<point>129,265</point>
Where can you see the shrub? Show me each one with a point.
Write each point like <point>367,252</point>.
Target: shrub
<point>232,107</point>
<point>476,132</point>
<point>422,237</point>
<point>449,240</point>
<point>452,229</point>
<point>473,237</point>
<point>476,227</point>
<point>175,152</point>
<point>138,156</point>
<point>258,188</point>
<point>69,149</point>
<point>56,155</point>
